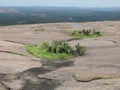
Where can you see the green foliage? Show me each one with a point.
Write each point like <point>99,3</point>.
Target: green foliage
<point>44,45</point>
<point>60,47</point>
<point>80,50</point>
<point>97,33</point>
<point>86,33</point>
<point>56,50</point>
<point>44,54</point>
<point>39,30</point>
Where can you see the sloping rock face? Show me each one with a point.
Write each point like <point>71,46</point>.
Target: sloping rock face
<point>99,69</point>
<point>12,62</point>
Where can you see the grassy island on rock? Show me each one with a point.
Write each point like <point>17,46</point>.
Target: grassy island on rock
<point>56,50</point>
<point>85,33</point>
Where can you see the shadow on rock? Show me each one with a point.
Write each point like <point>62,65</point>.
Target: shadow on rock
<point>50,65</point>
<point>42,84</point>
<point>32,82</point>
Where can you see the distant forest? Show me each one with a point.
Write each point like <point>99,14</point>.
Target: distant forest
<point>32,15</point>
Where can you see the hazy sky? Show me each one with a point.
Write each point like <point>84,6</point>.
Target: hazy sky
<point>64,3</point>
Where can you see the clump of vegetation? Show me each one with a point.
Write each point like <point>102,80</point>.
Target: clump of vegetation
<point>80,50</point>
<point>56,50</point>
<point>86,33</point>
<point>39,30</point>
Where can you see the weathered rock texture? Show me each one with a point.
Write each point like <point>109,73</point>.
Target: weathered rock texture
<point>99,69</point>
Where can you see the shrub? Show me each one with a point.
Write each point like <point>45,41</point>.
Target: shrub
<point>86,33</point>
<point>59,47</point>
<point>44,45</point>
<point>97,33</point>
<point>80,50</point>
<point>56,50</point>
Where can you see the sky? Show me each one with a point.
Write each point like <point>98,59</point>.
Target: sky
<point>62,3</point>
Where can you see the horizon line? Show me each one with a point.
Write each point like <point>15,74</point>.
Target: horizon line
<point>56,6</point>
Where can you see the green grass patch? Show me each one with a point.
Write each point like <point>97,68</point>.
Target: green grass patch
<point>39,30</point>
<point>85,33</point>
<point>56,50</point>
<point>44,54</point>
<point>85,36</point>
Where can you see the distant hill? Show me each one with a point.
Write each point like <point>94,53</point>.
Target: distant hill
<point>32,15</point>
<point>7,10</point>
